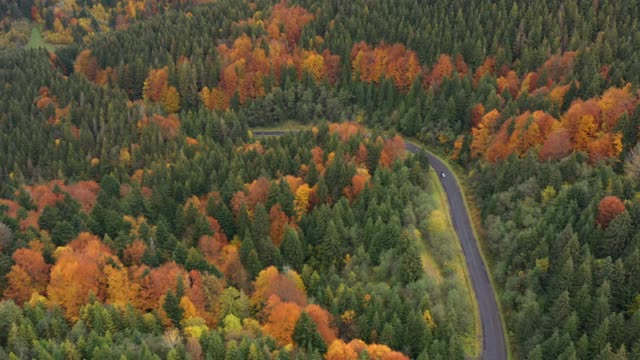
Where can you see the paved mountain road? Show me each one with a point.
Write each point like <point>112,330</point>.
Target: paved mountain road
<point>494,345</point>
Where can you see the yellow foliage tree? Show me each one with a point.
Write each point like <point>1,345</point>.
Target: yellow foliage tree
<point>301,200</point>
<point>314,64</point>
<point>120,290</point>
<point>172,100</point>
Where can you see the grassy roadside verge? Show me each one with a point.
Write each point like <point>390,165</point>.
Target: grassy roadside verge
<point>476,223</point>
<point>472,344</point>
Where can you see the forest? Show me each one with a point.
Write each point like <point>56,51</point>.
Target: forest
<point>140,217</point>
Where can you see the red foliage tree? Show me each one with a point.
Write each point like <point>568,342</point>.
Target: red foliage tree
<point>608,209</point>
<point>133,253</point>
<point>258,191</point>
<point>287,287</point>
<point>509,82</point>
<point>278,220</point>
<point>476,114</point>
<point>323,320</point>
<point>392,150</point>
<point>441,69</point>
<point>556,146</point>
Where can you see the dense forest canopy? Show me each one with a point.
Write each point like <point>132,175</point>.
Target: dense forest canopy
<point>139,217</point>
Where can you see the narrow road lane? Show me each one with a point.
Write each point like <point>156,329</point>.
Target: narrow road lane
<point>494,345</point>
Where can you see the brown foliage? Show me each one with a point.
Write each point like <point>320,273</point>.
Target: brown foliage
<point>606,146</point>
<point>237,201</point>
<point>84,192</point>
<point>461,66</point>
<point>291,20</point>
<point>34,264</point>
<point>476,114</point>
<point>358,183</point>
<point>155,283</point>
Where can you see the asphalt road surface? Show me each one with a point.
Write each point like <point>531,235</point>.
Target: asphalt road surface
<point>493,341</point>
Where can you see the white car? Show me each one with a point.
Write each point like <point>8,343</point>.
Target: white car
<point>443,175</point>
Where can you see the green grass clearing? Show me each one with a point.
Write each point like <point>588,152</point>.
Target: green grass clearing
<point>37,41</point>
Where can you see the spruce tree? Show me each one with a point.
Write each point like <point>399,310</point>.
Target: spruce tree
<point>173,309</point>
<point>291,249</point>
<point>306,336</point>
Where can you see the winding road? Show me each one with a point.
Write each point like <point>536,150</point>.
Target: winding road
<point>493,340</point>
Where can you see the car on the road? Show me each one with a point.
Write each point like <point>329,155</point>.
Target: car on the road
<point>443,175</point>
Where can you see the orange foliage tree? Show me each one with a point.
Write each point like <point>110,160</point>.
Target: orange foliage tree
<point>281,319</point>
<point>345,130</point>
<point>286,286</point>
<point>509,82</point>
<point>391,61</point>
<point>482,133</point>
<point>156,85</point>
<point>79,270</point>
<point>358,183</point>
<point>246,64</point>
<point>86,64</point>
<point>341,351</point>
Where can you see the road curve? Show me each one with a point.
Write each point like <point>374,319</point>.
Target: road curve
<point>493,341</point>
